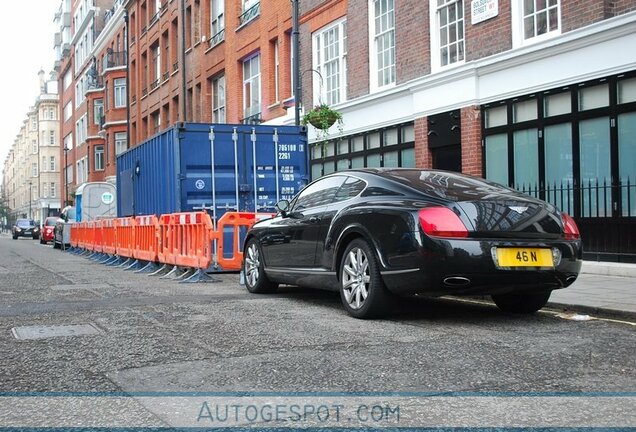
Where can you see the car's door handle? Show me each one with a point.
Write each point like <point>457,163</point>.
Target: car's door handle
<point>314,219</point>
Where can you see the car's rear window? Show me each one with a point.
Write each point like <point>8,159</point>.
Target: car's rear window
<point>70,213</point>
<point>24,223</point>
<point>447,185</point>
<point>50,221</point>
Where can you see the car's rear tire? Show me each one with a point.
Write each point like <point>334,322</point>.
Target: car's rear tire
<point>362,289</point>
<point>42,241</point>
<point>56,245</point>
<point>526,303</point>
<point>256,280</point>
<point>15,237</point>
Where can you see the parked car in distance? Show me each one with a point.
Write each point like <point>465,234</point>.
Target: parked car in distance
<point>61,234</point>
<point>25,228</point>
<point>372,234</point>
<point>46,233</point>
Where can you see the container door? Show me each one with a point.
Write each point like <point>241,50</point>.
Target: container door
<point>210,175</point>
<point>276,167</point>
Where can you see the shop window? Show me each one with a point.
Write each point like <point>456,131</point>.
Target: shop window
<point>497,116</point>
<point>558,104</point>
<point>627,91</point>
<point>524,111</point>
<point>593,97</point>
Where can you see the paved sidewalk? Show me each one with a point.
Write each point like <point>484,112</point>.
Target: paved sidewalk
<point>601,287</point>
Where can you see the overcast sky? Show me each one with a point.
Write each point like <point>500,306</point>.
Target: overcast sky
<point>27,46</point>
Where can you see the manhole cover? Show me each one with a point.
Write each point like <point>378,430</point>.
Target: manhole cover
<point>43,332</point>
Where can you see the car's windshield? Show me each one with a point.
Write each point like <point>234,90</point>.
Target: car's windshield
<point>24,223</point>
<point>50,221</point>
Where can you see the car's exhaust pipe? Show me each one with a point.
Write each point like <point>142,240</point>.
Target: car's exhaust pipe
<point>570,280</point>
<point>456,281</point>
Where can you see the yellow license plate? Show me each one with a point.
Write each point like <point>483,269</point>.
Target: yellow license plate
<point>524,257</point>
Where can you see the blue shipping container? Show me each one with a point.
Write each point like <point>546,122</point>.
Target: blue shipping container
<point>220,167</point>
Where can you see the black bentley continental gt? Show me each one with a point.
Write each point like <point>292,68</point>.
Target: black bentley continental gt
<point>375,233</point>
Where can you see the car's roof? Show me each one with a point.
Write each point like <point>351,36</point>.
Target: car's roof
<point>441,184</point>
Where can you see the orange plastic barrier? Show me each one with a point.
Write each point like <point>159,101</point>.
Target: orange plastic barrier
<point>185,239</point>
<point>75,233</point>
<point>90,236</point>
<point>98,241</point>
<point>178,239</point>
<point>109,236</point>
<point>147,233</point>
<point>125,228</point>
<point>233,221</point>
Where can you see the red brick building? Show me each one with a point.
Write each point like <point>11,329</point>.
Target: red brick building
<point>91,65</point>
<point>536,95</point>
<point>207,61</point>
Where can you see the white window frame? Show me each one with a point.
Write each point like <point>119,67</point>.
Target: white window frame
<point>81,130</point>
<point>68,110</point>
<point>321,87</point>
<point>45,190</point>
<point>99,158</point>
<point>156,60</point>
<point>98,111</point>
<point>518,38</point>
<point>119,92</point>
<point>374,41</point>
<point>121,142</point>
<point>252,81</point>
<point>68,141</point>
<point>53,165</point>
<point>218,99</point>
<point>69,173</point>
<point>53,190</point>
<point>217,17</point>
<point>68,79</point>
<point>34,169</point>
<point>436,58</point>
<point>52,138</point>
<point>34,146</point>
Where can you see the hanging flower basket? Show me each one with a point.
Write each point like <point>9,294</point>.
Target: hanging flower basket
<point>322,117</point>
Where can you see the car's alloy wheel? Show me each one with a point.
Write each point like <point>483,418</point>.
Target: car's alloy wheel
<point>525,303</point>
<point>362,290</point>
<point>256,280</point>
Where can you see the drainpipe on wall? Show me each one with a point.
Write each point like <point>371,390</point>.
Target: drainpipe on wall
<point>127,83</point>
<point>296,65</point>
<point>182,98</point>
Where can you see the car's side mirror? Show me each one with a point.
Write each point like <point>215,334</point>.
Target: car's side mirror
<point>283,207</point>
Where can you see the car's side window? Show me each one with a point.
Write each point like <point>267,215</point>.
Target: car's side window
<point>319,193</point>
<point>351,188</point>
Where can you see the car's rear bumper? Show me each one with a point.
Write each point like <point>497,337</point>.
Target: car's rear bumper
<point>467,267</point>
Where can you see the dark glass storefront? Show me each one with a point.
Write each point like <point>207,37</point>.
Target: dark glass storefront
<point>575,147</point>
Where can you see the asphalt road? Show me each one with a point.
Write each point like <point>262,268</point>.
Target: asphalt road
<point>157,335</point>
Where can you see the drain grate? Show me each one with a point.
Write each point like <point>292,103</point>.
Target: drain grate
<point>44,332</point>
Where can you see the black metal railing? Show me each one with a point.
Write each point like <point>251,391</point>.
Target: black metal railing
<point>143,29</point>
<point>253,119</point>
<point>217,38</point>
<point>133,99</point>
<point>166,75</point>
<point>115,59</point>
<point>154,84</point>
<point>154,19</point>
<point>593,198</point>
<point>95,82</point>
<point>175,66</point>
<point>250,14</point>
<point>604,211</point>
<point>144,91</point>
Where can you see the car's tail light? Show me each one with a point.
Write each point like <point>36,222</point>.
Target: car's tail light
<point>570,229</point>
<point>441,222</point>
